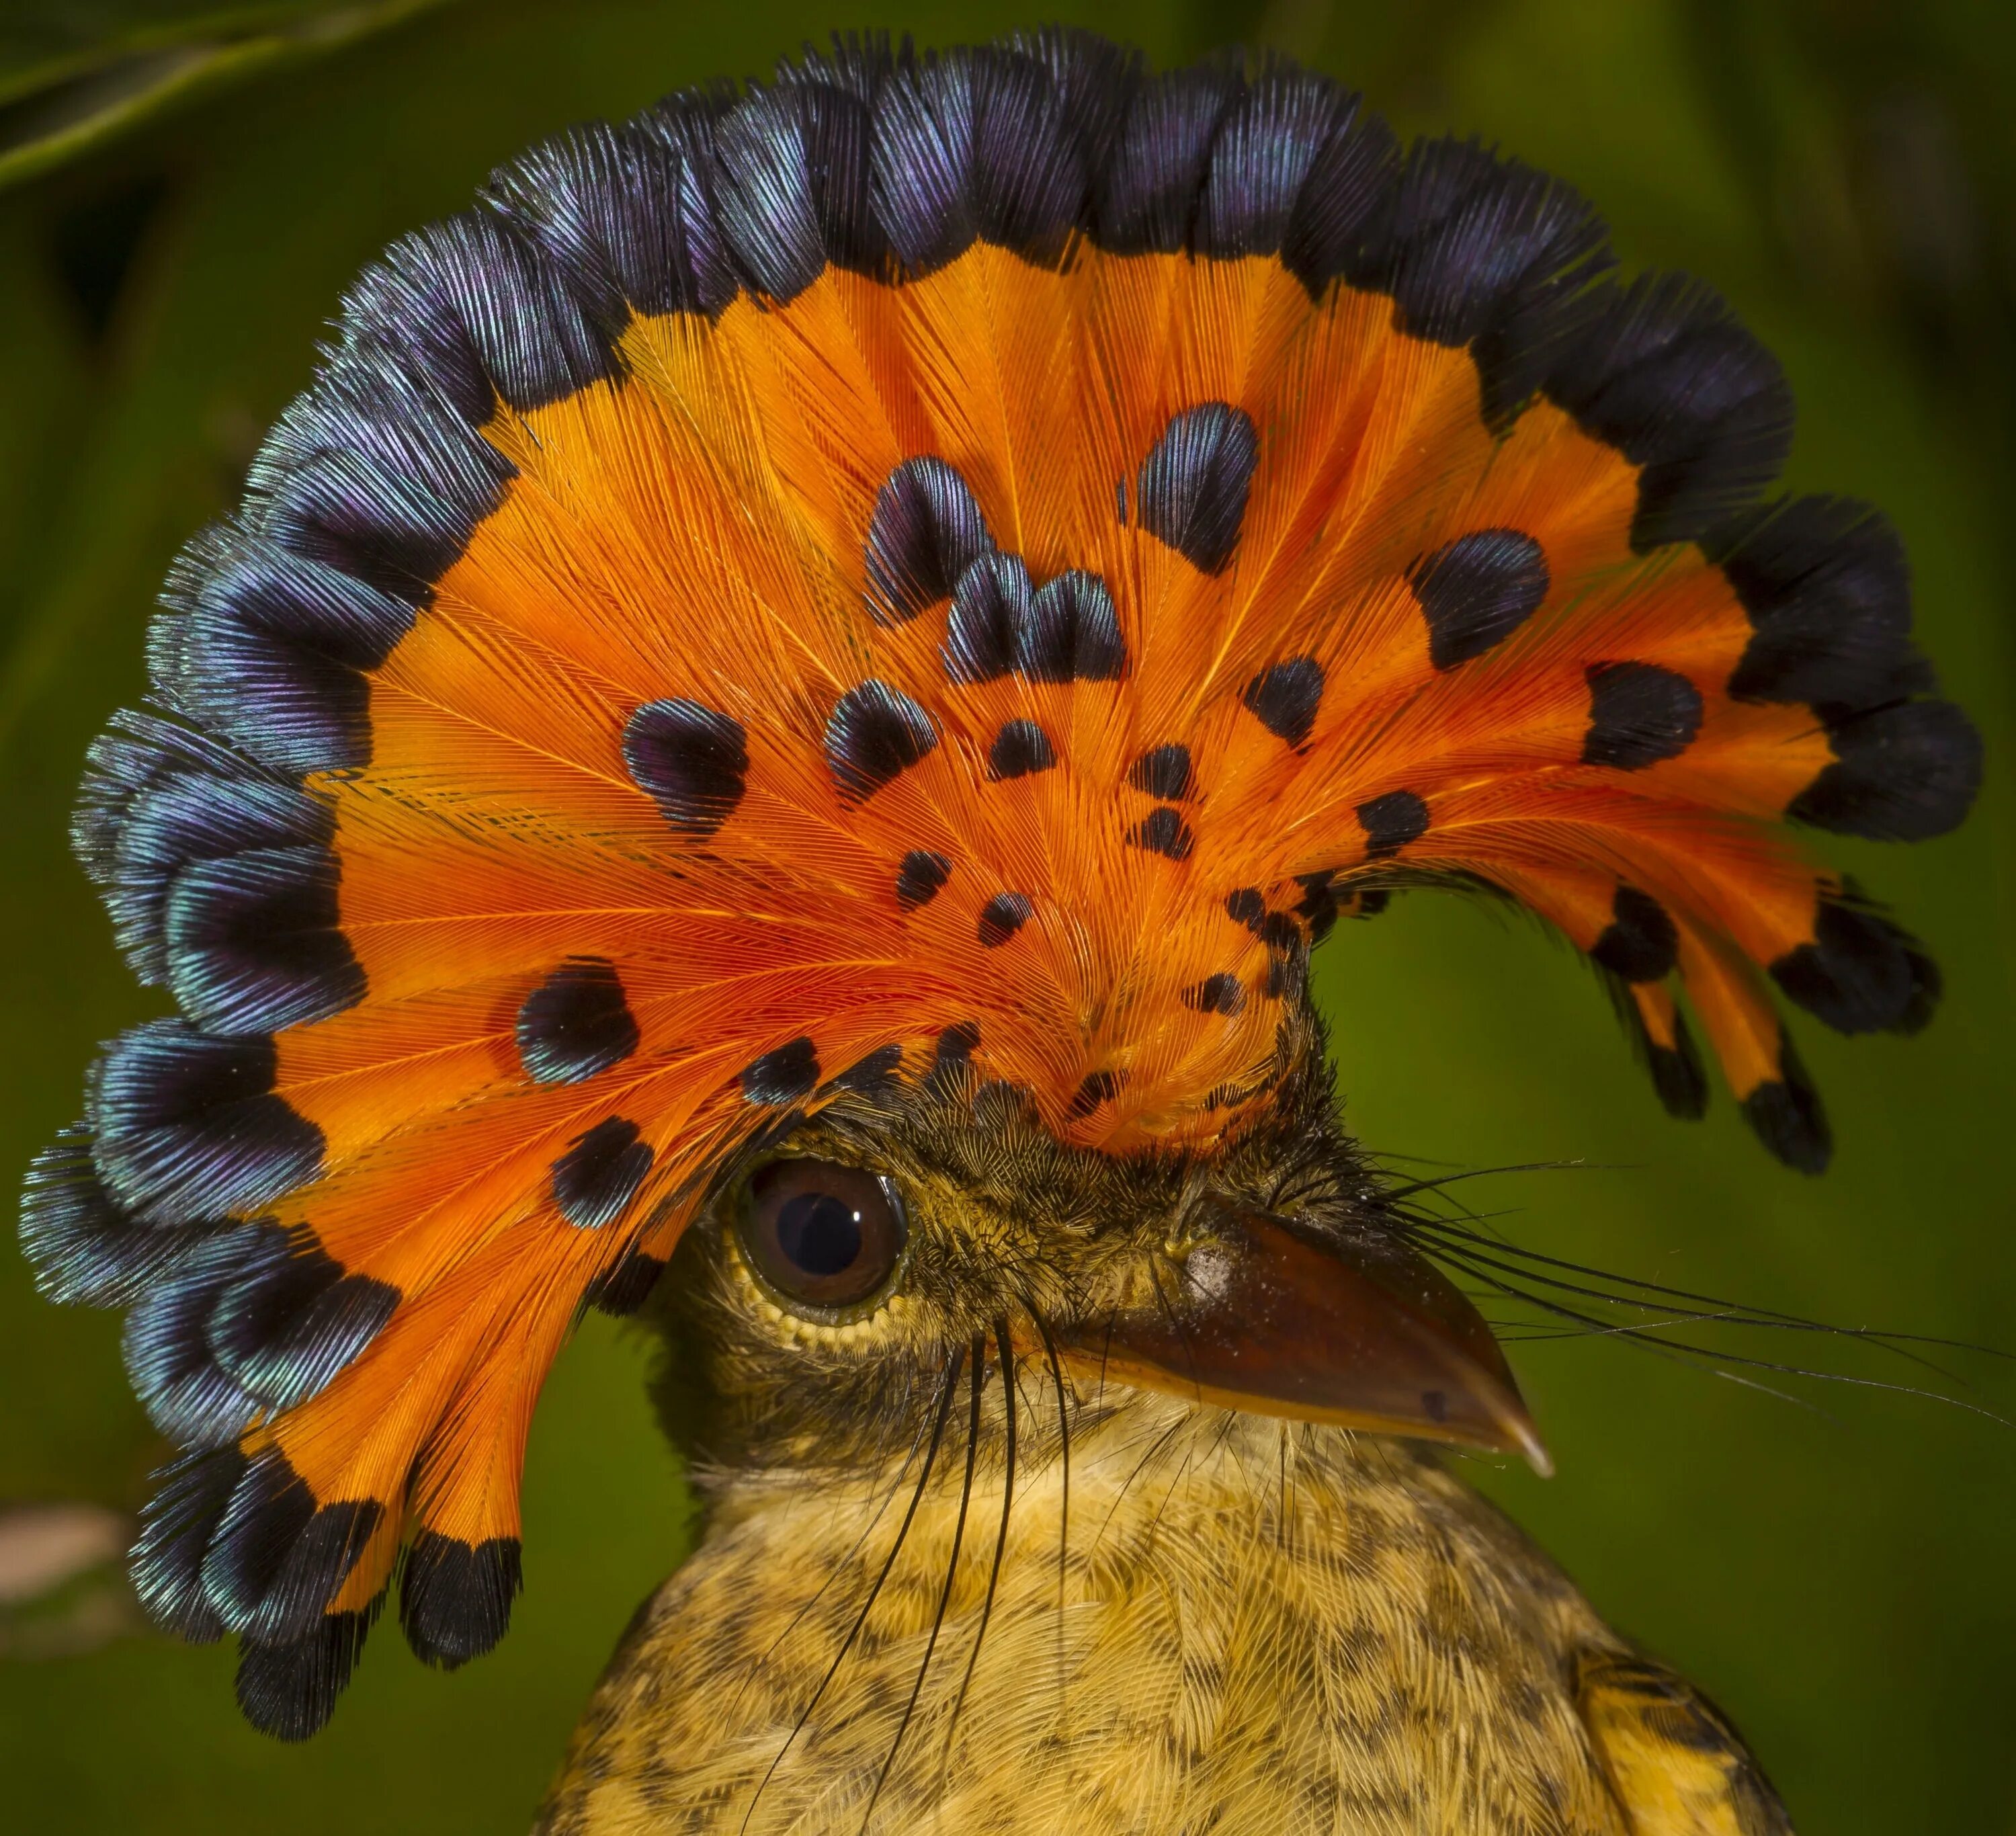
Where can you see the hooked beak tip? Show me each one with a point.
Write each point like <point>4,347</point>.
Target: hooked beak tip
<point>1364,1334</point>
<point>1529,1444</point>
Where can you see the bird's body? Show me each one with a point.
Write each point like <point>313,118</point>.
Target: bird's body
<point>1081,1599</point>
<point>1256,1627</point>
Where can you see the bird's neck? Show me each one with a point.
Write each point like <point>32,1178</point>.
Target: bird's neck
<point>1203,1615</point>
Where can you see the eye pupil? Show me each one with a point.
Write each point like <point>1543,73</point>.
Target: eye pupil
<point>820,1233</point>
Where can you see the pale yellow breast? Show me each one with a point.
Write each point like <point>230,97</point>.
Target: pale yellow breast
<point>1250,1632</point>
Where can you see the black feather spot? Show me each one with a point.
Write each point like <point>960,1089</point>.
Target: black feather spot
<point>988,625</point>
<point>158,799</point>
<point>1280,933</point>
<point>1263,156</point>
<point>956,1044</point>
<point>791,175</point>
<point>1904,773</point>
<point>188,1125</point>
<point>254,941</point>
<point>925,531</point>
<point>618,212</point>
<point>622,1289</point>
<point>1029,184</point>
<point>1067,630</point>
<point>173,1369</point>
<point>876,1073</point>
<point>1284,697</point>
<point>920,878</point>
<point>875,735</point>
<point>289,1691</point>
<point>1247,906</point>
<point>1640,942</point>
<point>1147,189</point>
<point>600,1173</point>
<point>84,1251</point>
<point>1100,1086</point>
<point>1860,973</point>
<point>1639,713</point>
<point>1072,633</point>
<point>177,1528</point>
<point>576,1023</point>
<point>1476,591</point>
<point>469,304</point>
<point>1318,906</point>
<point>271,648</point>
<point>1828,592</point>
<point>1345,197</point>
<point>1163,831</point>
<point>251,1540</point>
<point>784,1076</point>
<point>691,761</point>
<point>1786,1113</point>
<point>922,155</point>
<point>1217,994</point>
<point>374,480</point>
<point>454,1598</point>
<point>278,1558</point>
<point>1678,1075</point>
<point>1020,749</point>
<point>288,1318</point>
<point>1662,371</point>
<point>1164,771</point>
<point>1484,252</point>
<point>1002,915</point>
<point>312,1571</point>
<point>1391,821</point>
<point>1193,484</point>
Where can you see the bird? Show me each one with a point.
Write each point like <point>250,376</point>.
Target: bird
<point>765,753</point>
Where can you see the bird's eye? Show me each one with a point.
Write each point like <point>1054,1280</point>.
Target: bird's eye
<point>822,1235</point>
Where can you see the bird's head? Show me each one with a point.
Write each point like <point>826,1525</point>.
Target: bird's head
<point>824,1297</point>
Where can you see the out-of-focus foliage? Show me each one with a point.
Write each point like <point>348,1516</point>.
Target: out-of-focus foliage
<point>1839,1577</point>
<point>73,73</point>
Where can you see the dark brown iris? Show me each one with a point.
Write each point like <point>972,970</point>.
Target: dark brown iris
<point>823,1236</point>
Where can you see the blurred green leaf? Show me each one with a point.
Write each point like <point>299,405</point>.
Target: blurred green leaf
<point>72,75</point>
<point>45,385</point>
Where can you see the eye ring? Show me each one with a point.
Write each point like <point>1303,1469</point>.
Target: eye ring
<point>825,1241</point>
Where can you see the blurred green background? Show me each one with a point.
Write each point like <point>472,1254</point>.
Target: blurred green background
<point>187,189</point>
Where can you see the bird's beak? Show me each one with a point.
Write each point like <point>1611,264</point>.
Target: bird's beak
<point>1365,1334</point>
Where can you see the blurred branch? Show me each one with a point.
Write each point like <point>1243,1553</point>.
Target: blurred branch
<point>62,1591</point>
<point>66,87</point>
